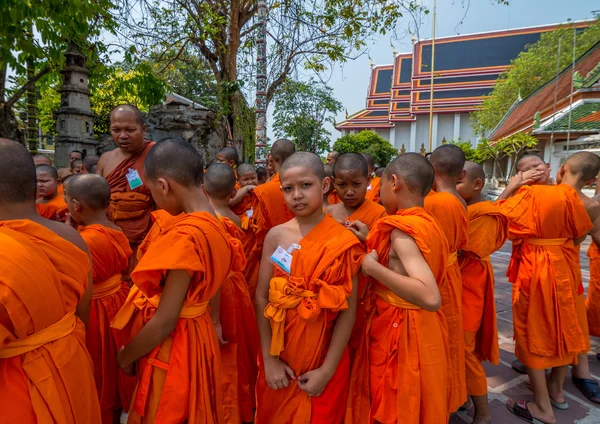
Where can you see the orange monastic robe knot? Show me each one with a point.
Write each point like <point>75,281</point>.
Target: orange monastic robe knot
<point>110,253</point>
<point>452,217</point>
<point>548,306</point>
<point>240,330</point>
<point>488,230</point>
<point>46,373</point>
<point>400,374</point>
<point>302,311</point>
<point>592,303</point>
<point>179,380</point>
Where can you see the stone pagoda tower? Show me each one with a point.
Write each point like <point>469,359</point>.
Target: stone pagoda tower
<point>74,119</point>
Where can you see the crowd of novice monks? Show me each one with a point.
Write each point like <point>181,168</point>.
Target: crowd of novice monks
<point>154,289</point>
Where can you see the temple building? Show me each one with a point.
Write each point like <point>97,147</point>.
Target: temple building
<point>466,69</point>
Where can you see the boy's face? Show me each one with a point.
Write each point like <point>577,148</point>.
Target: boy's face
<point>77,169</point>
<point>221,158</point>
<point>249,178</point>
<point>533,162</point>
<point>302,190</point>
<point>46,185</point>
<point>351,186</point>
<point>468,188</point>
<point>387,195</point>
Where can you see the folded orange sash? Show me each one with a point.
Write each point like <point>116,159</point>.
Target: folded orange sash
<point>107,287</point>
<point>392,298</point>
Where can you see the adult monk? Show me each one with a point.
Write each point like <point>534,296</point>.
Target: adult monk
<point>488,230</point>
<point>130,201</point>
<point>269,209</point>
<point>87,197</point>
<point>332,157</point>
<point>45,294</point>
<point>449,209</point>
<point>374,182</point>
<point>400,374</point>
<point>41,160</point>
<point>546,225</point>
<point>174,346</point>
<point>306,307</point>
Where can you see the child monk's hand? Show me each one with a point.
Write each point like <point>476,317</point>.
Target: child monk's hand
<point>360,230</point>
<point>219,331</point>
<point>277,373</point>
<point>530,176</point>
<point>248,188</point>
<point>70,221</point>
<point>314,382</point>
<point>127,368</point>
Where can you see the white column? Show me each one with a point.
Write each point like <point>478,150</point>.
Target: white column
<point>393,137</point>
<point>434,137</point>
<point>412,147</point>
<point>456,127</point>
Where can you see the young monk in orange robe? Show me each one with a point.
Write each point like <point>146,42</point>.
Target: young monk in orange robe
<point>400,374</point>
<point>374,182</point>
<point>238,355</point>
<point>174,349</point>
<point>88,196</point>
<point>488,230</point>
<point>546,225</point>
<point>306,309</point>
<point>47,211</point>
<point>46,373</point>
<point>449,209</point>
<point>47,185</point>
<point>269,209</point>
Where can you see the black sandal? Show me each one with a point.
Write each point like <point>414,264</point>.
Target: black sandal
<point>518,366</point>
<point>521,410</point>
<point>588,387</point>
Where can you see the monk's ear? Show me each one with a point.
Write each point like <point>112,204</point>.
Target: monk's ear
<point>144,128</point>
<point>76,204</point>
<point>164,185</point>
<point>396,183</point>
<point>478,184</point>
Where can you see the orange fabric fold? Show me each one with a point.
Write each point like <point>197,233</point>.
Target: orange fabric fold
<point>476,378</point>
<point>238,356</point>
<point>488,230</point>
<point>452,218</point>
<point>373,190</point>
<point>592,302</point>
<point>130,209</point>
<point>245,211</point>
<point>302,311</point>
<point>179,380</point>
<point>548,308</point>
<point>161,220</point>
<point>333,198</point>
<point>400,373</point>
<point>110,253</point>
<point>58,202</point>
<point>368,213</point>
<point>48,376</point>
<point>48,211</point>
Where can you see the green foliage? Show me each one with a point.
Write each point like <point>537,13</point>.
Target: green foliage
<point>367,142</point>
<point>301,111</point>
<point>245,121</point>
<point>511,146</point>
<point>470,153</point>
<point>530,70</point>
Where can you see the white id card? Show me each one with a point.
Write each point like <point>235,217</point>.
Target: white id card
<point>283,258</point>
<point>369,188</point>
<point>250,212</point>
<point>133,177</point>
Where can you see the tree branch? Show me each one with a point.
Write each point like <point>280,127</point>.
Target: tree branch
<point>15,97</point>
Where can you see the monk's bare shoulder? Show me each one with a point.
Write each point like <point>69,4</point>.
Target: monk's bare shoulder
<point>108,162</point>
<point>66,232</point>
<point>333,210</point>
<point>592,207</point>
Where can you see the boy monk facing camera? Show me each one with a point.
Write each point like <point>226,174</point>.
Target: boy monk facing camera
<point>174,348</point>
<point>306,306</point>
<point>400,373</point>
<point>238,355</point>
<point>351,180</point>
<point>547,223</point>
<point>88,197</point>
<point>47,189</point>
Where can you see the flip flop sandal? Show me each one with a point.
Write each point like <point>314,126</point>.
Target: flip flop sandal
<point>588,387</point>
<point>521,410</point>
<point>563,406</point>
<point>518,366</point>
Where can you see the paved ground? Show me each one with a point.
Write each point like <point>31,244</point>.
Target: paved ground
<point>503,382</point>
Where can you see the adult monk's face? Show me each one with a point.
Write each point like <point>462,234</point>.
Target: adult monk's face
<point>351,186</point>
<point>126,131</point>
<point>331,159</point>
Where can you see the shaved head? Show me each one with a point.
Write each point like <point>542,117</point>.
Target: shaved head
<point>91,190</point>
<point>328,171</point>
<point>245,168</point>
<point>306,160</point>
<point>177,160</point>
<point>18,182</point>
<point>41,160</point>
<point>229,154</point>
<point>127,108</point>
<point>351,161</point>
<point>526,160</point>
<point>416,172</point>
<point>89,162</point>
<point>50,170</point>
<point>262,173</point>
<point>219,181</point>
<point>77,163</point>
<point>369,159</point>
<point>584,164</point>
<point>474,171</point>
<point>448,160</point>
<point>281,150</point>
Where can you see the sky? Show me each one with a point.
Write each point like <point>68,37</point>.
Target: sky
<point>350,81</point>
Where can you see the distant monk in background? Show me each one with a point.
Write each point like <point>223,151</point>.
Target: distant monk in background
<point>74,155</point>
<point>41,160</point>
<point>130,201</point>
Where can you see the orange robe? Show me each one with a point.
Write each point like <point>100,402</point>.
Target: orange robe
<point>592,302</point>
<point>333,198</point>
<point>57,202</point>
<point>179,380</point>
<point>550,324</point>
<point>373,189</point>
<point>48,211</point>
<point>368,213</point>
<point>161,221</point>
<point>110,253</point>
<point>452,217</point>
<point>302,311</point>
<point>130,209</point>
<point>488,230</point>
<point>240,330</point>
<point>46,373</point>
<point>400,374</point>
<point>269,210</point>
<point>245,212</point>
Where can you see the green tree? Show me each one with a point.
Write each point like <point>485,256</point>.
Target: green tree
<point>512,146</point>
<point>367,142</point>
<point>533,68</point>
<point>467,148</point>
<point>301,111</point>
